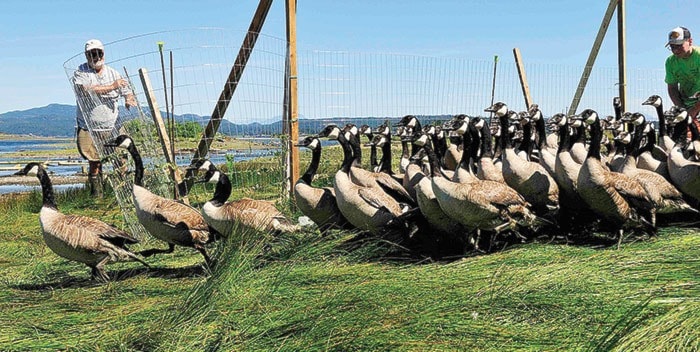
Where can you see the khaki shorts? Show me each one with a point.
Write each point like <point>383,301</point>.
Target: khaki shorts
<point>86,146</point>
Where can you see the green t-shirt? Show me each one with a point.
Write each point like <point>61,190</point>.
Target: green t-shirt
<point>686,72</point>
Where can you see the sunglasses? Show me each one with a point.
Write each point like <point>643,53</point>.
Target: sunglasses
<point>95,54</point>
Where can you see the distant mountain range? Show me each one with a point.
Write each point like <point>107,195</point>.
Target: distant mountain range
<point>58,120</point>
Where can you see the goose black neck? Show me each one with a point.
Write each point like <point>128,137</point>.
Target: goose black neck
<point>541,133</point>
<point>433,160</point>
<point>466,150</point>
<point>564,138</point>
<point>486,142</point>
<point>356,150</point>
<point>596,137</point>
<point>440,144</point>
<point>581,134</point>
<point>308,176</point>
<point>526,144</point>
<point>138,165</point>
<point>47,194</point>
<point>635,148</point>
<point>222,190</point>
<point>386,158</point>
<point>679,131</point>
<point>347,153</point>
<point>505,138</point>
<point>662,120</point>
<point>404,149</point>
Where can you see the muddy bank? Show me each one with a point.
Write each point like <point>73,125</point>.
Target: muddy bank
<point>33,181</point>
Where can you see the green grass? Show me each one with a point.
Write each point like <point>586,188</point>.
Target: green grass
<point>305,292</point>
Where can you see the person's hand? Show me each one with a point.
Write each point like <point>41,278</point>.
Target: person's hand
<point>130,101</point>
<point>119,83</point>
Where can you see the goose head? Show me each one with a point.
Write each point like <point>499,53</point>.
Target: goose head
<point>201,164</point>
<point>331,132</point>
<point>623,137</point>
<point>478,123</point>
<point>310,142</point>
<point>558,119</point>
<point>365,130</point>
<point>420,139</point>
<point>122,141</point>
<point>636,118</point>
<point>383,129</point>
<point>534,112</point>
<point>589,116</point>
<point>431,130</point>
<point>378,140</point>
<point>409,121</point>
<point>676,114</point>
<point>31,169</point>
<point>499,108</point>
<point>653,100</point>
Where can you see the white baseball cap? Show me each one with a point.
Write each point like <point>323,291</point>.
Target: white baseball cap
<point>94,44</point>
<point>678,35</point>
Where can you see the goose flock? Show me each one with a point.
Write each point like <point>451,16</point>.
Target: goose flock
<point>461,185</point>
<point>520,177</point>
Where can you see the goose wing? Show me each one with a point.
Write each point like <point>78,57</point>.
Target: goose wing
<point>379,200</point>
<point>630,190</point>
<point>174,214</point>
<point>87,232</point>
<point>393,188</point>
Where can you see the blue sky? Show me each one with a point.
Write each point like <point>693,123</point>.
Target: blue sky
<point>37,37</point>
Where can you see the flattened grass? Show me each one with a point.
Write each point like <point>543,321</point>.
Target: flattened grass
<point>308,292</point>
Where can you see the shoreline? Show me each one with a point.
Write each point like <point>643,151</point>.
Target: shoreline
<point>9,180</point>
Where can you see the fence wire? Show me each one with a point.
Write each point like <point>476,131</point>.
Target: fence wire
<point>333,87</point>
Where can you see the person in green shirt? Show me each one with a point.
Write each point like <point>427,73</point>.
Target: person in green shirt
<point>683,71</point>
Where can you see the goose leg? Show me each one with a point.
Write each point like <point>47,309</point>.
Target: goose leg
<point>620,234</point>
<point>98,271</point>
<point>152,251</point>
<point>203,251</point>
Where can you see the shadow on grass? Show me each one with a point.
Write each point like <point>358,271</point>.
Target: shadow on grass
<point>115,276</point>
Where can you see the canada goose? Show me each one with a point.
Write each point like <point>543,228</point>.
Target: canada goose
<point>527,178</point>
<point>613,196</point>
<point>224,216</point>
<point>318,203</point>
<point>378,180</point>
<point>384,143</point>
<point>566,168</point>
<point>645,155</point>
<point>665,141</point>
<point>76,237</point>
<point>437,135</point>
<point>526,147</point>
<point>165,219</point>
<point>480,205</point>
<point>665,197</point>
<point>365,207</point>
<point>684,173</point>
<point>578,147</point>
<point>464,171</point>
<point>428,203</point>
<point>485,166</point>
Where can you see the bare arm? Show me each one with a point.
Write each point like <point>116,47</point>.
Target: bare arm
<point>675,94</point>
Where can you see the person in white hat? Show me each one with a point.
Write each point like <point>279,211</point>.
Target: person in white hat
<point>683,71</point>
<point>98,89</point>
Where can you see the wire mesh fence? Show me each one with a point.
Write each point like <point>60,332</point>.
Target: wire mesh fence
<point>190,68</point>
